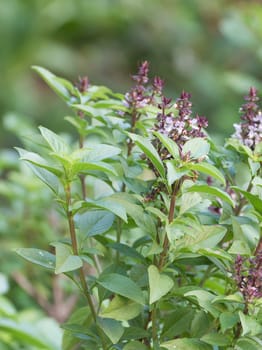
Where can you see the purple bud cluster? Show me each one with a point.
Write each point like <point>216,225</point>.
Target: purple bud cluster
<point>183,127</point>
<point>83,84</point>
<point>143,93</point>
<point>249,132</point>
<point>248,276</point>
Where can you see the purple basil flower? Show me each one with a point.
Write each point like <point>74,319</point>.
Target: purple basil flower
<point>249,131</point>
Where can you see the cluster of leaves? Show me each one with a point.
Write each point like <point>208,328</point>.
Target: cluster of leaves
<point>156,218</point>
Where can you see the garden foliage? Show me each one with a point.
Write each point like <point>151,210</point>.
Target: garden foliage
<point>163,237</point>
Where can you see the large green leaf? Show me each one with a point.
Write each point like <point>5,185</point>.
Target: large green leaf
<point>112,328</point>
<point>38,256</point>
<point>208,169</point>
<point>216,339</point>
<point>87,167</point>
<point>204,299</point>
<point>65,260</point>
<point>150,151</point>
<point>96,153</point>
<point>174,173</point>
<point>94,222</point>
<point>61,86</point>
<point>169,144</point>
<point>127,251</point>
<point>196,148</point>
<point>109,204</point>
<point>55,142</point>
<point>123,286</point>
<point>159,284</point>
<point>37,160</point>
<point>135,345</point>
<point>201,236</point>
<point>121,309</point>
<point>186,344</point>
<point>255,201</point>
<point>249,325</point>
<point>213,191</point>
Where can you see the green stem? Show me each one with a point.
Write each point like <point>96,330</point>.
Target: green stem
<point>154,328</point>
<point>83,282</point>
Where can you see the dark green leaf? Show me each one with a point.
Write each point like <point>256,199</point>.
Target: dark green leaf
<point>123,286</point>
<point>94,222</point>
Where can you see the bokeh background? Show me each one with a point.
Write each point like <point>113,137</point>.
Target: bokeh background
<point>210,48</point>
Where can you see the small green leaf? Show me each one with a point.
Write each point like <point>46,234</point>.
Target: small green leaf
<point>94,222</point>
<point>228,320</point>
<point>55,142</point>
<point>89,167</point>
<point>127,251</point>
<point>216,339</point>
<point>186,344</point>
<point>239,247</point>
<point>96,153</point>
<point>204,300</point>
<point>37,160</point>
<point>135,345</point>
<point>123,286</point>
<point>213,191</point>
<point>112,328</point>
<point>159,284</point>
<point>196,148</point>
<point>169,144</point>
<point>109,204</point>
<point>121,309</point>
<point>173,172</point>
<point>255,201</point>
<point>150,151</point>
<point>38,256</point>
<point>249,325</point>
<point>188,201</point>
<point>208,169</point>
<point>65,260</point>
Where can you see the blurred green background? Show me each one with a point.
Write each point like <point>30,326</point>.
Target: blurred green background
<point>209,48</point>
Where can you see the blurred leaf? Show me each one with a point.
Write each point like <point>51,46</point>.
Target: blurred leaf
<point>121,309</point>
<point>213,191</point>
<point>38,256</point>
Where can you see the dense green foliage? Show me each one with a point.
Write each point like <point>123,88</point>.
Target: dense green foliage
<point>163,227</point>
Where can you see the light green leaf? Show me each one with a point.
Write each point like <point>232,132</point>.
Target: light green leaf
<point>109,204</point>
<point>196,147</point>
<point>186,344</point>
<point>55,142</point>
<point>204,299</point>
<point>159,284</point>
<point>121,309</point>
<point>87,167</point>
<point>94,222</point>
<point>239,247</point>
<point>255,201</point>
<point>188,201</point>
<point>228,320</point>
<point>123,286</point>
<point>208,169</point>
<point>37,160</point>
<point>25,333</point>
<point>96,153</point>
<point>249,325</point>
<point>150,151</point>
<point>38,256</point>
<point>60,86</point>
<point>135,345</point>
<point>169,144</point>
<point>65,260</point>
<point>173,172</point>
<point>112,328</point>
<point>213,191</point>
<point>216,339</point>
<point>247,344</point>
